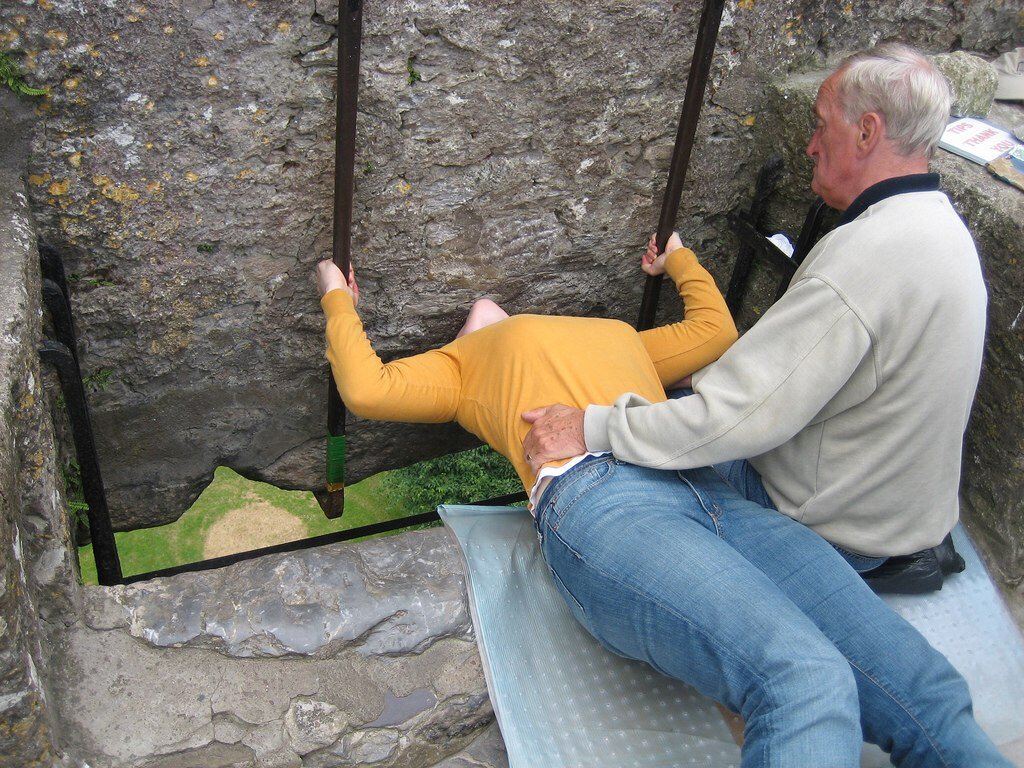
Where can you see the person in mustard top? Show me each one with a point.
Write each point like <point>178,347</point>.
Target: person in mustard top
<point>498,366</point>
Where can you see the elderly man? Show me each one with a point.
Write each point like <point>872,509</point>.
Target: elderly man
<point>850,396</point>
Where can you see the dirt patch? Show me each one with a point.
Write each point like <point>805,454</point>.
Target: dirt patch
<point>255,525</point>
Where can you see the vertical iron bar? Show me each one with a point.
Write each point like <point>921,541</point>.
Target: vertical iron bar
<point>56,302</point>
<point>104,548</point>
<point>767,180</point>
<point>696,84</point>
<point>63,355</point>
<point>350,28</point>
<point>52,267</point>
<point>810,230</point>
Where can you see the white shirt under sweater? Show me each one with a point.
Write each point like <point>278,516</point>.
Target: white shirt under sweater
<point>851,394</point>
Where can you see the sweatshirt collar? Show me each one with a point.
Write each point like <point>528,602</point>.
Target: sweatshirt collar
<point>916,182</point>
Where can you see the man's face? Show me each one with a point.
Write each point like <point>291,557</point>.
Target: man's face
<point>833,148</point>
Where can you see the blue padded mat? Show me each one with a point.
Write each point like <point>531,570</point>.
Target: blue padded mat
<point>562,701</point>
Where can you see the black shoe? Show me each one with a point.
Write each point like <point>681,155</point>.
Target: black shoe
<point>918,573</point>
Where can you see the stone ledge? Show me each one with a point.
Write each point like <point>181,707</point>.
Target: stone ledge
<point>28,557</point>
<point>341,655</point>
<point>374,597</point>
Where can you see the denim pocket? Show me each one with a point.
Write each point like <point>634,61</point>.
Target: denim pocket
<point>572,488</point>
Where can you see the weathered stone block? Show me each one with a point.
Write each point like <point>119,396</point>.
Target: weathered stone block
<point>415,701</point>
<point>375,598</point>
<point>972,80</point>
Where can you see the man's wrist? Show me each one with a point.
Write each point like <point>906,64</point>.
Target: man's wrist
<point>595,427</point>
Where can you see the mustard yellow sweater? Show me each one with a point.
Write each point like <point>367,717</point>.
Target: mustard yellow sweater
<point>487,379</point>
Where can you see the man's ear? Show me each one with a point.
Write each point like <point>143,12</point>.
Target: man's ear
<point>870,131</point>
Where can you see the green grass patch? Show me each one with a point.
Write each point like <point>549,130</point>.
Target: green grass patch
<point>457,478</point>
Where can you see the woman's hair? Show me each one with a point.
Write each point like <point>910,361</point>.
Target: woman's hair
<point>904,87</point>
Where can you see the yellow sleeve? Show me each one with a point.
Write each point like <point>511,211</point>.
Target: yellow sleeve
<point>707,330</point>
<point>423,388</point>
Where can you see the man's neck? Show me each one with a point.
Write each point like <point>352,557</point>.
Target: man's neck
<point>895,185</point>
<point>892,167</point>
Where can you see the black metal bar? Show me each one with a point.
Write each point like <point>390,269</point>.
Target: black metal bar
<point>809,234</point>
<point>363,531</point>
<point>350,30</point>
<point>750,236</point>
<point>782,287</point>
<point>108,566</point>
<point>52,267</point>
<point>318,541</point>
<point>767,180</point>
<point>502,501</point>
<point>336,537</point>
<point>56,302</point>
<point>810,230</point>
<point>696,84</point>
<point>290,546</point>
<point>755,243</point>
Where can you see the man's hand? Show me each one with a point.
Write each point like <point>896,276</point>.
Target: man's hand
<point>557,433</point>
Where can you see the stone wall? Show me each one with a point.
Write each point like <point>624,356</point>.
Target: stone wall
<point>183,164</point>
<point>37,582</point>
<point>992,486</point>
<point>184,167</point>
<point>340,656</point>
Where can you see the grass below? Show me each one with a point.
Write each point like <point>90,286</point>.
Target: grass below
<point>234,514</point>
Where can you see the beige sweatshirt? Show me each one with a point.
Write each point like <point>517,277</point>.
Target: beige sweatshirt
<point>851,394</point>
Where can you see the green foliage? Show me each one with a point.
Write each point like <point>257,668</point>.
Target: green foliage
<point>74,494</point>
<point>91,282</point>
<point>414,76</point>
<point>458,478</point>
<point>99,380</point>
<point>10,76</point>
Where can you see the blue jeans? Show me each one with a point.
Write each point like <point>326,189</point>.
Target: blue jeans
<point>682,571</point>
<point>744,478</point>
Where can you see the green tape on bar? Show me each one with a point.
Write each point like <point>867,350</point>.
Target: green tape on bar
<point>336,460</point>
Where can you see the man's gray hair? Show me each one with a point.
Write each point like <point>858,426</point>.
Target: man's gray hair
<point>904,87</point>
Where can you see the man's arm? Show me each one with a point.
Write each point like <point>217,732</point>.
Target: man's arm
<point>765,388</point>
<point>677,350</point>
